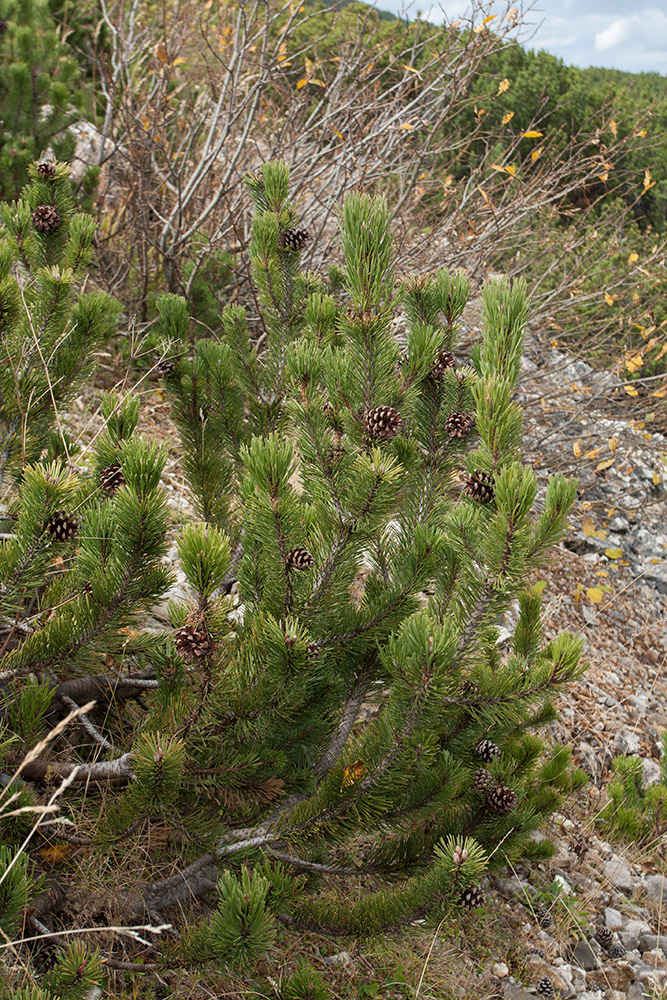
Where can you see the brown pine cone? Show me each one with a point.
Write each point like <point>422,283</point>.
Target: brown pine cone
<point>293,239</point>
<point>47,170</point>
<point>479,486</point>
<point>443,361</point>
<point>382,422</point>
<point>46,218</point>
<point>111,479</point>
<point>192,641</point>
<point>501,799</point>
<point>459,425</point>
<point>62,527</point>
<point>299,558</point>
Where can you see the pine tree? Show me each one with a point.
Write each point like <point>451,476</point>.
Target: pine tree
<point>38,77</point>
<point>336,552</point>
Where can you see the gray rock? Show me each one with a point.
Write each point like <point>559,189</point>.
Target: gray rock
<point>656,888</point>
<point>637,991</point>
<point>619,874</point>
<point>341,958</point>
<point>629,941</point>
<point>584,956</point>
<point>651,772</point>
<point>655,958</point>
<point>513,991</point>
<point>509,887</point>
<point>638,927</point>
<point>613,919</point>
<point>648,942</point>
<point>626,741</point>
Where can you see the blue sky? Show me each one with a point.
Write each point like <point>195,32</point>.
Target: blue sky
<point>619,34</point>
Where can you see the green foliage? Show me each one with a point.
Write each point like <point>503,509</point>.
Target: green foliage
<point>634,811</point>
<point>49,330</point>
<point>306,983</point>
<point>77,971</point>
<point>241,930</point>
<point>325,472</point>
<point>38,91</point>
<point>16,887</point>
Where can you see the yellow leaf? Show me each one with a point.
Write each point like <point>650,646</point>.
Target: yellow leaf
<point>309,66</point>
<point>179,61</point>
<point>630,391</point>
<point>336,132</point>
<point>594,595</point>
<point>601,572</point>
<point>633,258</point>
<point>609,299</point>
<point>614,128</point>
<point>161,53</point>
<point>353,773</point>
<point>538,586</point>
<point>56,854</point>
<point>656,479</point>
<point>642,132</point>
<point>606,464</point>
<point>407,125</point>
<point>593,453</point>
<point>317,83</point>
<point>660,393</point>
<point>536,153</point>
<point>496,166</point>
<point>532,134</point>
<point>511,170</point>
<point>613,444</point>
<point>576,448</point>
<point>488,19</point>
<point>508,117</point>
<point>503,87</point>
<point>588,527</point>
<point>603,177</point>
<point>648,183</point>
<point>411,69</point>
<point>484,195</point>
<point>301,83</point>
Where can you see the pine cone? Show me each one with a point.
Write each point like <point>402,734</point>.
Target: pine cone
<point>469,688</point>
<point>479,486</point>
<point>501,799</point>
<point>111,479</point>
<point>443,361</point>
<point>47,170</point>
<point>382,422</point>
<point>616,950</point>
<point>62,527</point>
<point>334,455</point>
<point>299,558</point>
<point>192,641</point>
<point>46,218</point>
<point>604,936</point>
<point>545,987</point>
<point>293,239</point>
<point>459,425</point>
<point>543,916</point>
<point>472,897</point>
<point>165,367</point>
<point>486,750</point>
<point>482,779</point>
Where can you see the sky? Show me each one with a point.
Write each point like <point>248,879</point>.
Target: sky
<point>618,34</point>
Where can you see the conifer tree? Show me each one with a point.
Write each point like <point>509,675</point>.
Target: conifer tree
<point>363,524</point>
<point>38,77</point>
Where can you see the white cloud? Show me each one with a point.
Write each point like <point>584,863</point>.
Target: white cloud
<point>613,35</point>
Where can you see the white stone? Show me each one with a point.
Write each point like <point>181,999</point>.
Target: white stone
<point>500,970</point>
<point>613,919</point>
<point>618,873</point>
<point>564,884</point>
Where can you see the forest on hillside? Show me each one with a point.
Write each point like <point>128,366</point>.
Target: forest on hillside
<point>276,668</point>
